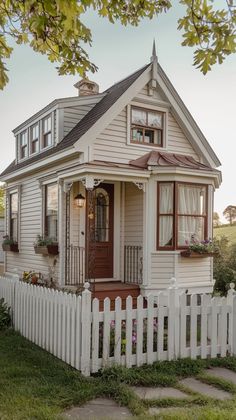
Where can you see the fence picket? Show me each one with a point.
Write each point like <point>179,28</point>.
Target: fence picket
<point>95,334</point>
<point>129,328</point>
<point>205,302</point>
<point>222,329</point>
<point>213,327</point>
<point>118,332</point>
<point>106,331</point>
<point>160,331</point>
<point>193,327</point>
<point>183,303</point>
<point>150,328</point>
<point>139,331</point>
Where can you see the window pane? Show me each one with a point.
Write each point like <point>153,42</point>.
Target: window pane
<point>14,216</point>
<point>166,198</point>
<point>51,211</point>
<point>149,136</point>
<point>101,215</point>
<point>23,138</point>
<point>137,135</point>
<point>189,227</point>
<point>191,199</point>
<point>155,119</point>
<point>35,132</point>
<point>47,126</point>
<point>158,137</point>
<point>34,146</point>
<point>165,231</point>
<point>139,117</point>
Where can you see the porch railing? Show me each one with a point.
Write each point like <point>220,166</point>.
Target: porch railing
<point>75,265</point>
<point>133,264</point>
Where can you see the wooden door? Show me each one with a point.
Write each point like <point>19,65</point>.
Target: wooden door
<point>103,232</point>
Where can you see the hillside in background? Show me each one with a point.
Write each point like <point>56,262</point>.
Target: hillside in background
<point>226,230</point>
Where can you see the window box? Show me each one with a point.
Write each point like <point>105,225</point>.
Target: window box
<point>194,254</point>
<point>10,247</point>
<point>46,249</point>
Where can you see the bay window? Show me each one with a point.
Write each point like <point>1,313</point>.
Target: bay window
<point>51,212</point>
<point>182,214</point>
<point>13,226</point>
<point>147,127</point>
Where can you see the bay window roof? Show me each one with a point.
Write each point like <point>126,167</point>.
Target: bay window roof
<point>156,158</point>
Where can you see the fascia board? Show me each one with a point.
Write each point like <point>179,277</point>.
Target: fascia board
<point>89,137</point>
<point>38,165</point>
<point>110,173</point>
<point>213,175</point>
<point>186,121</point>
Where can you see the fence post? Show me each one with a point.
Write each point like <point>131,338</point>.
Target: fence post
<point>232,319</point>
<point>85,330</point>
<point>173,322</point>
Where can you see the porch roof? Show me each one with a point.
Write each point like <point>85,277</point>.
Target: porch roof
<point>155,158</point>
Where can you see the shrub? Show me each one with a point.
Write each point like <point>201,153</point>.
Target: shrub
<point>224,266</point>
<point>5,317</point>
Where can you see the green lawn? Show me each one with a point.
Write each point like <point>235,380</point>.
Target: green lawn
<point>228,231</point>
<point>35,385</point>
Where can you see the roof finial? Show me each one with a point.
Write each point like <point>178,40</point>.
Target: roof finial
<point>154,54</point>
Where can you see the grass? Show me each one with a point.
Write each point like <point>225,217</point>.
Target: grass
<point>228,231</point>
<point>36,385</point>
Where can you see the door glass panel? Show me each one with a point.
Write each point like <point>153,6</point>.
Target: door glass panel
<point>101,215</point>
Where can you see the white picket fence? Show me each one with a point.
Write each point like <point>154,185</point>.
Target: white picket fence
<point>166,327</point>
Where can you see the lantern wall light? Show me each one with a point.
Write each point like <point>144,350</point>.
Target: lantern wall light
<point>79,201</point>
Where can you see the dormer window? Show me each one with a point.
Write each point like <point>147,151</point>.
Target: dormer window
<point>23,144</point>
<point>47,131</point>
<point>34,138</point>
<point>147,127</point>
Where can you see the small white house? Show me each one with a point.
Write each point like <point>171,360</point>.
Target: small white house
<point>121,180</point>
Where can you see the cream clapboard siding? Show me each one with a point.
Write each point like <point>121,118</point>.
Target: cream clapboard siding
<point>133,231</point>
<point>73,114</point>
<point>31,208</point>
<point>111,145</point>
<point>162,269</point>
<point>194,270</point>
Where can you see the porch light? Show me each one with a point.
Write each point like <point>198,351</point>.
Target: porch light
<point>79,201</point>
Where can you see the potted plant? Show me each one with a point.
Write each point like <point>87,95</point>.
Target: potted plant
<point>199,249</point>
<point>45,246</point>
<point>9,244</point>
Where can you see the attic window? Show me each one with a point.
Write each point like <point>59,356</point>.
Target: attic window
<point>47,131</point>
<point>23,144</point>
<point>147,127</point>
<point>34,138</point>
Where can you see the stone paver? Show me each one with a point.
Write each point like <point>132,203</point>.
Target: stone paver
<point>100,408</point>
<point>156,393</point>
<point>204,389</point>
<point>168,410</point>
<point>223,373</point>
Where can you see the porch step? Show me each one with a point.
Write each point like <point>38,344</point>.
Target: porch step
<point>113,290</point>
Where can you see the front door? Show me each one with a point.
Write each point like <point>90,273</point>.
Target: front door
<point>103,232</point>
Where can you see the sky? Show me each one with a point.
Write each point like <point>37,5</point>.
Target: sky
<point>118,51</point>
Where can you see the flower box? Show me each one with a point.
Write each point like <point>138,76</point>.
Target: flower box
<point>46,249</point>
<point>10,247</point>
<point>194,254</point>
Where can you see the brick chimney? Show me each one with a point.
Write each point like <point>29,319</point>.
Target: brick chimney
<point>86,87</point>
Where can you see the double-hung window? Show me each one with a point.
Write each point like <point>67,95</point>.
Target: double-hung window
<point>23,144</point>
<point>34,138</point>
<point>47,131</point>
<point>51,212</point>
<point>13,216</point>
<point>182,214</point>
<point>147,127</point>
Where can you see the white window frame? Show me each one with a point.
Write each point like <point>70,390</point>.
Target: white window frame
<point>26,145</point>
<point>147,107</point>
<point>47,117</point>
<point>32,139</point>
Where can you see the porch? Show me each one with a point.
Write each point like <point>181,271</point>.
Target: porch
<point>104,238</point>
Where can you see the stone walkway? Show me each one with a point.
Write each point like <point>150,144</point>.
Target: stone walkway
<point>103,408</point>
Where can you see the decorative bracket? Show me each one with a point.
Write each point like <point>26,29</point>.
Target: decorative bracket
<point>67,186</point>
<point>89,182</point>
<point>140,185</point>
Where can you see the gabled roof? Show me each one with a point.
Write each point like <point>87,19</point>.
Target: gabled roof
<point>155,158</point>
<point>112,95</point>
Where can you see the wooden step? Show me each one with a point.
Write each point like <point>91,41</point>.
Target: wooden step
<point>112,290</point>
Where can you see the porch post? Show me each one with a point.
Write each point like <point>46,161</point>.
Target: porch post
<point>149,229</point>
<point>61,233</point>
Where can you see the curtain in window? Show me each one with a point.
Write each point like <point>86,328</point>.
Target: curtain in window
<point>191,201</point>
<point>166,215</point>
